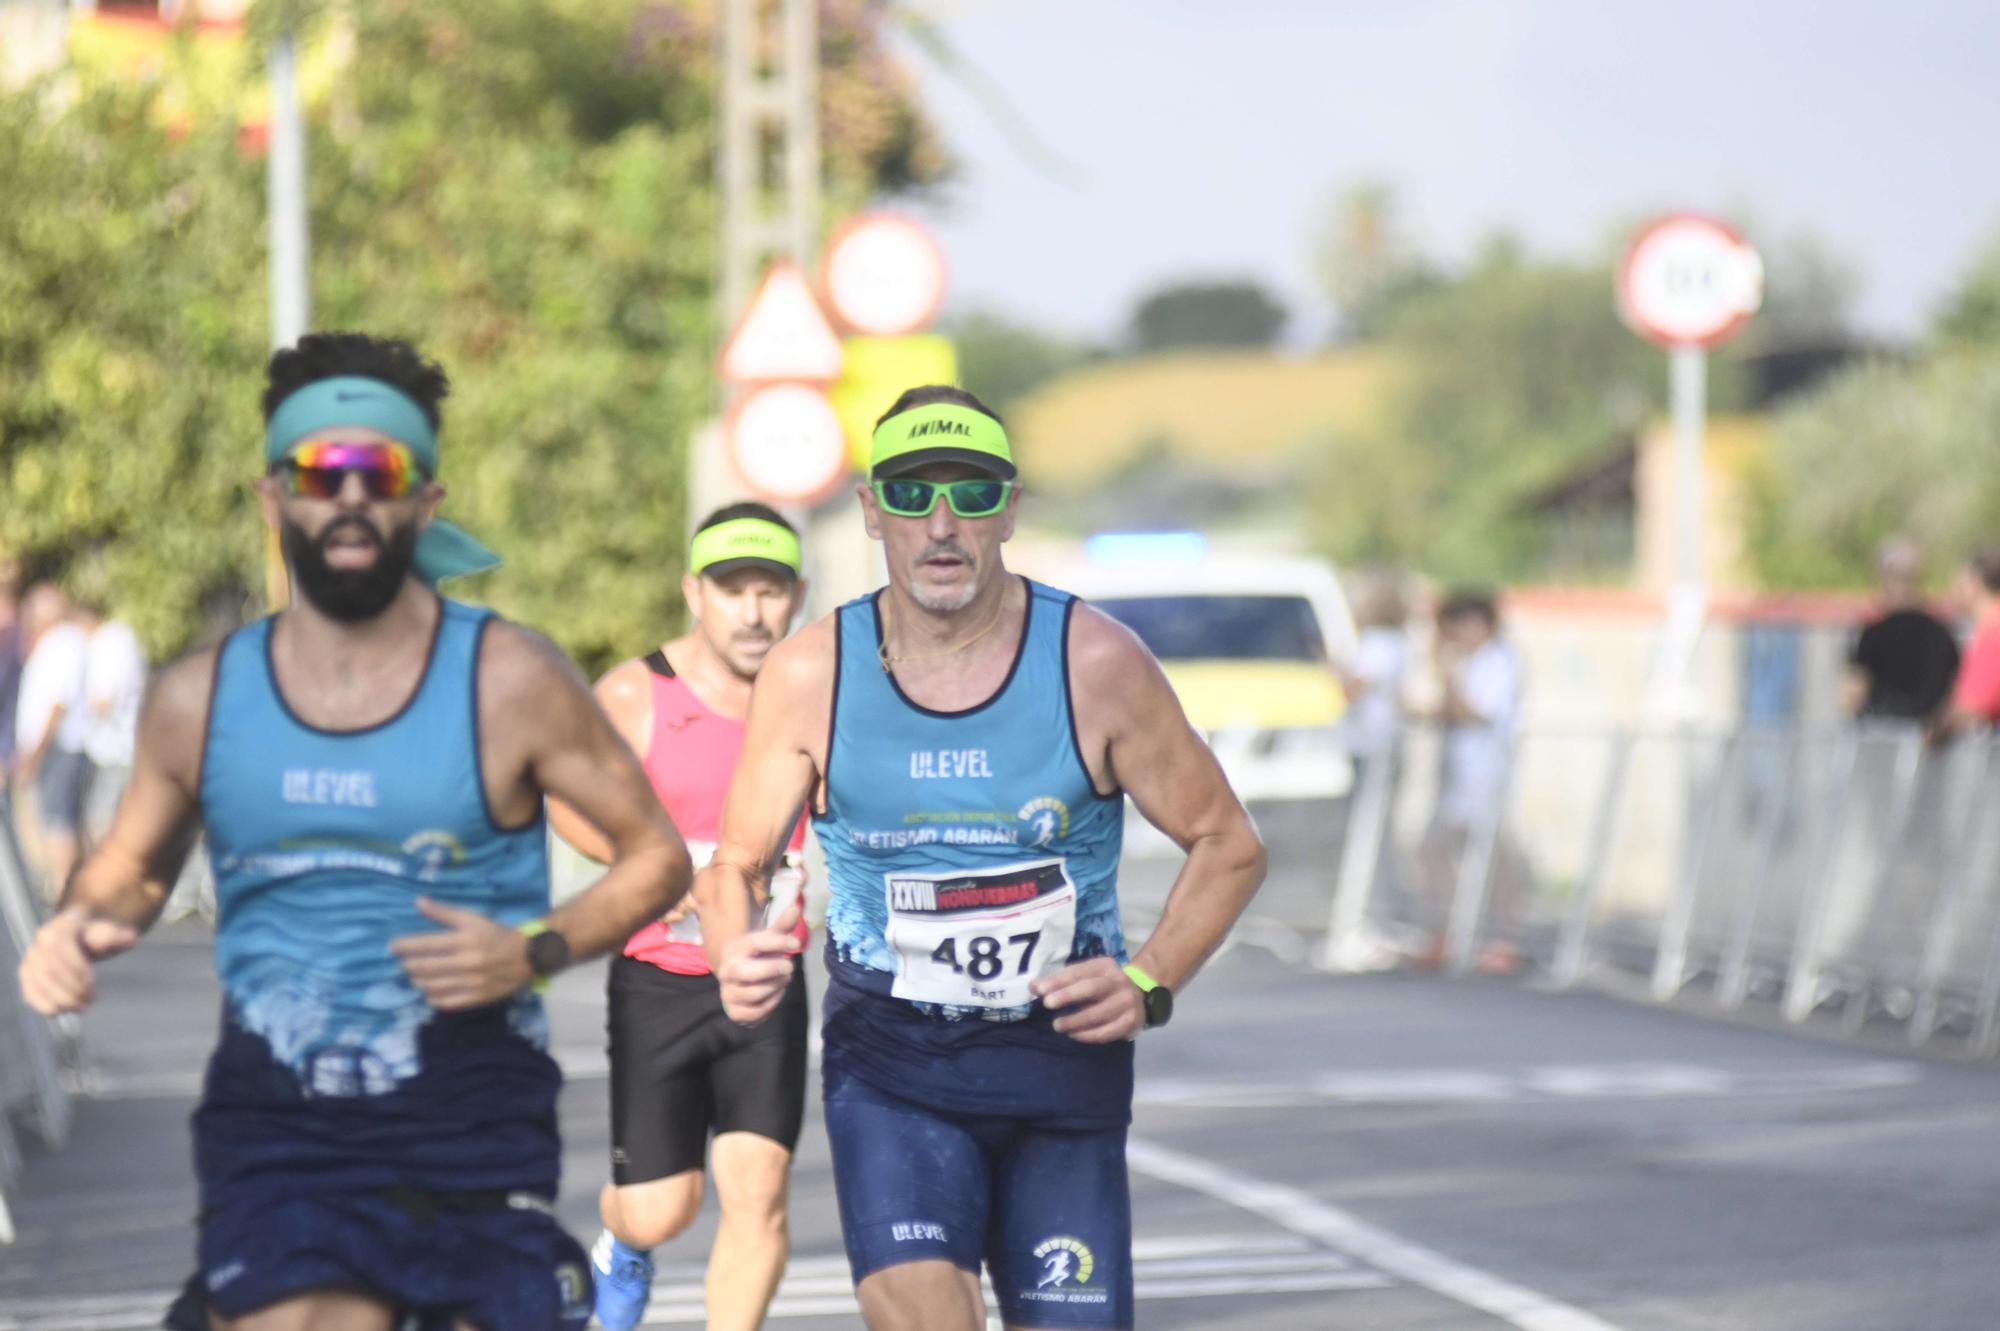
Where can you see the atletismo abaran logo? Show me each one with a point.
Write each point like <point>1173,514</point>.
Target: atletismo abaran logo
<point>1047,816</point>
<point>1064,1259</point>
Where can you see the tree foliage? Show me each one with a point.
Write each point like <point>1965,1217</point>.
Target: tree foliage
<point>1809,293</point>
<point>1885,449</point>
<point>1367,263</point>
<point>1971,315</point>
<point>1517,374</point>
<point>1208,314</point>
<point>1003,361</point>
<point>522,187</point>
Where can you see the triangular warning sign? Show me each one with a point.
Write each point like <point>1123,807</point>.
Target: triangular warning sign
<point>783,335</point>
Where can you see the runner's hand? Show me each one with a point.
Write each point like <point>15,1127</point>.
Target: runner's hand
<point>473,961</point>
<point>56,973</point>
<point>1098,1001</point>
<point>756,968</point>
<point>682,909</point>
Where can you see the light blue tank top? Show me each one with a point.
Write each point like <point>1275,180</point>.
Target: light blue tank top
<point>322,842</point>
<point>987,815</point>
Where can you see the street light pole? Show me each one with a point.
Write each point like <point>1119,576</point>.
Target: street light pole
<point>291,285</point>
<point>291,264</point>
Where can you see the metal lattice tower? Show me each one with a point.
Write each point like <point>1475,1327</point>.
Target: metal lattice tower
<point>769,162</point>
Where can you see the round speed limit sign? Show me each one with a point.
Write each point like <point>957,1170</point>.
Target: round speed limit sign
<point>1689,281</point>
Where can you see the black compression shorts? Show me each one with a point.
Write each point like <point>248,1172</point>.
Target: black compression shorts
<point>681,1069</point>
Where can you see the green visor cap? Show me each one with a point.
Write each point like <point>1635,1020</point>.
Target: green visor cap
<point>744,543</point>
<point>940,432</point>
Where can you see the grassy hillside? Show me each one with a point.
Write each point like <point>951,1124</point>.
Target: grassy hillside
<point>1236,411</point>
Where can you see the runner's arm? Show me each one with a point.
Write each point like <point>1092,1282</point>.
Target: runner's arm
<point>118,891</point>
<point>625,694</point>
<point>575,755</point>
<point>1145,745</point>
<point>780,765</point>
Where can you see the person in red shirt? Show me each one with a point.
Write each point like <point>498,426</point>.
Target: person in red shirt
<point>681,1071</point>
<point>1975,697</point>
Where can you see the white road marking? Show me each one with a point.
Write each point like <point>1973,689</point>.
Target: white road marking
<point>1399,1086</point>
<point>1308,1216</point>
<point>1578,1082</point>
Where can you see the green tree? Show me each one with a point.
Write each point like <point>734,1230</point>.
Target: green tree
<point>1884,449</point>
<point>1207,314</point>
<point>1515,375</point>
<point>1366,261</point>
<point>1808,297</point>
<point>1971,315</point>
<point>520,186</point>
<point>1004,361</point>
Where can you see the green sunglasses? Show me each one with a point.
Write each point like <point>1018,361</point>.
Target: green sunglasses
<point>976,498</point>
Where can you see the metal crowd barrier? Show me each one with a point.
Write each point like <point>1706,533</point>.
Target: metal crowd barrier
<point>32,1094</point>
<point>1855,871</point>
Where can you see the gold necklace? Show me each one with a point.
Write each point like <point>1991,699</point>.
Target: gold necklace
<point>889,663</point>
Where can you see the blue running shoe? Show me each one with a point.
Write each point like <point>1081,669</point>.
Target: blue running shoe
<point>624,1282</point>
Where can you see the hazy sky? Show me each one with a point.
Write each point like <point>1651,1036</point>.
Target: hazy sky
<point>1205,137</point>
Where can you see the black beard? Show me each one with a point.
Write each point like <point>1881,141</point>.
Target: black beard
<point>344,594</point>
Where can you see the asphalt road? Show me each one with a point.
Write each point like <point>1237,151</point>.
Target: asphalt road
<point>1309,1152</point>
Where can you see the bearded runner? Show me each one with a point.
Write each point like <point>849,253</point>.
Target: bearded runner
<point>376,1136</point>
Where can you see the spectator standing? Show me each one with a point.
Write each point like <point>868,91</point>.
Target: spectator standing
<point>50,726</point>
<point>13,652</point>
<point>1900,675</point>
<point>1371,731</point>
<point>1374,683</point>
<point>1975,696</point>
<point>114,684</point>
<point>1905,659</point>
<point>1480,676</point>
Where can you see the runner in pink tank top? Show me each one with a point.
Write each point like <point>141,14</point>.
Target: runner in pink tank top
<point>690,1089</point>
<point>691,743</point>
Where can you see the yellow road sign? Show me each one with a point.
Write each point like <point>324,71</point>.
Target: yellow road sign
<point>875,371</point>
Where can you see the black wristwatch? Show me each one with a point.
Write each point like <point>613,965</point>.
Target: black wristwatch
<point>1157,998</point>
<point>548,951</point>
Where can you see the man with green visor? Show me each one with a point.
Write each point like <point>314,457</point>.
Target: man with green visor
<point>377,1133</point>
<point>966,739</point>
<point>692,1093</point>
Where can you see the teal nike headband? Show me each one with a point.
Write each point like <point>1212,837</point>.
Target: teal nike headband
<point>444,550</point>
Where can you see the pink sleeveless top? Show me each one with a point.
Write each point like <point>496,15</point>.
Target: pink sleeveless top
<point>690,757</point>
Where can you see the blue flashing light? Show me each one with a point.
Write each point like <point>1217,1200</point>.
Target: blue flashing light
<point>1130,548</point>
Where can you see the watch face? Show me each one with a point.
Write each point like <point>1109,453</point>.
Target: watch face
<point>1159,1005</point>
<point>548,952</point>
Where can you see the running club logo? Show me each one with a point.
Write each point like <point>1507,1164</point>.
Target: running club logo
<point>573,1290</point>
<point>434,851</point>
<point>1047,818</point>
<point>1064,1260</point>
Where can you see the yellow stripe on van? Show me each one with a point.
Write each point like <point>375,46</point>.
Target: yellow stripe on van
<point>1268,695</point>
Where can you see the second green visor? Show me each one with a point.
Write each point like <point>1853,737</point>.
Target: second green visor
<point>744,543</point>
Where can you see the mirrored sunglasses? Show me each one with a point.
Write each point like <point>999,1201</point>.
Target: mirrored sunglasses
<point>318,469</point>
<point>975,498</point>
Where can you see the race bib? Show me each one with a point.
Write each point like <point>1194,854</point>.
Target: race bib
<point>788,883</point>
<point>978,939</point>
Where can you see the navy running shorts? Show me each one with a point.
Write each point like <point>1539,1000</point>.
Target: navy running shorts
<point>1049,1211</point>
<point>498,1262</point>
